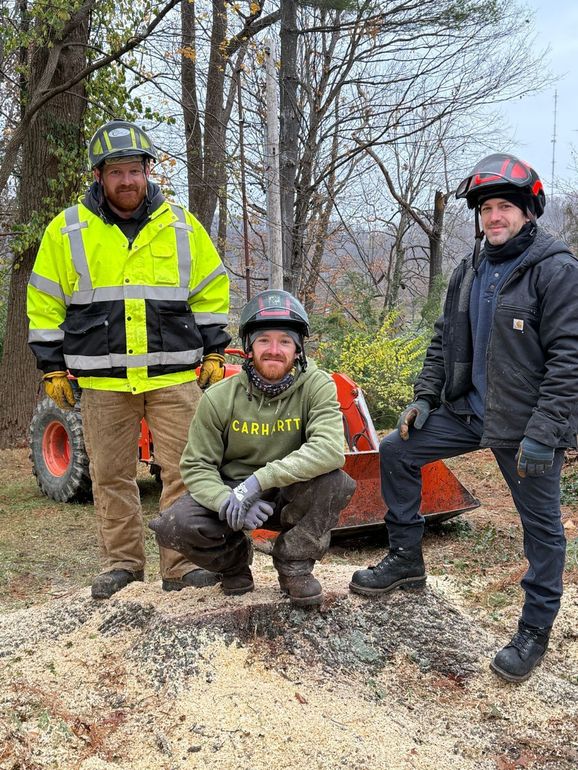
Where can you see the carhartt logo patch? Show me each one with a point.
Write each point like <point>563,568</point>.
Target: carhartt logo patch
<point>518,324</point>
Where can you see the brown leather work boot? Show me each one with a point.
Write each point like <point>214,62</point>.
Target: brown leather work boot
<point>303,590</point>
<point>239,582</point>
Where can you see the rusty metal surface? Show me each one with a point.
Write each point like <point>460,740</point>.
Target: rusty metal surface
<point>442,494</point>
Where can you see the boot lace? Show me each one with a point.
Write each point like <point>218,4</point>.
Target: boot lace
<point>524,637</point>
<point>386,562</point>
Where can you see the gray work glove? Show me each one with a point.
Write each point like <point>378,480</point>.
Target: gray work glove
<point>257,515</point>
<point>414,414</point>
<point>233,509</point>
<point>534,458</point>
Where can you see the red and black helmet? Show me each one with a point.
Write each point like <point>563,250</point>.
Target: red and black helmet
<point>272,309</point>
<point>502,173</point>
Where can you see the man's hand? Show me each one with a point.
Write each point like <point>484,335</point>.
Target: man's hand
<point>257,515</point>
<point>212,369</point>
<point>57,387</point>
<point>233,509</point>
<point>414,414</point>
<point>534,458</point>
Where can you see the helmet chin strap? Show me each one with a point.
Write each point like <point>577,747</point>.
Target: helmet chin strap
<point>101,198</point>
<point>301,357</point>
<point>478,244</point>
<point>145,167</point>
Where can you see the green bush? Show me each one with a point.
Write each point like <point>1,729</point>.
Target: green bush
<point>384,363</point>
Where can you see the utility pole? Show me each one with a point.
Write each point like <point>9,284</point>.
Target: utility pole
<point>288,137</point>
<point>554,145</point>
<point>274,239</point>
<point>244,190</point>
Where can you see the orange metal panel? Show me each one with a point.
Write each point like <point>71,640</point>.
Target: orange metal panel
<point>442,494</point>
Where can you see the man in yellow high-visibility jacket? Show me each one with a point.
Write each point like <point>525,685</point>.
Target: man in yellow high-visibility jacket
<point>129,295</point>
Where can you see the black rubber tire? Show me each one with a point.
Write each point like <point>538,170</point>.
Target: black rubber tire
<point>73,483</point>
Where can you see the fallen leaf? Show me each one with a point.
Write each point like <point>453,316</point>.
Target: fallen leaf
<point>300,698</point>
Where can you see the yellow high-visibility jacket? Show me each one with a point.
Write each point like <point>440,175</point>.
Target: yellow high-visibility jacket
<point>127,316</point>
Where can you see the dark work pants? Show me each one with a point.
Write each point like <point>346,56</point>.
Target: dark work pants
<point>304,513</point>
<point>537,500</point>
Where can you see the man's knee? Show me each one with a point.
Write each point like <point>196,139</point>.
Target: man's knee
<point>390,446</point>
<point>337,482</point>
<point>336,485</point>
<point>186,522</point>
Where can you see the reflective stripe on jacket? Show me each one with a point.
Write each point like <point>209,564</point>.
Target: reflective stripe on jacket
<point>127,316</point>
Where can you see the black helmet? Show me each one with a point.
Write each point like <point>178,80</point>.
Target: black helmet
<point>272,309</point>
<point>502,173</point>
<point>119,139</point>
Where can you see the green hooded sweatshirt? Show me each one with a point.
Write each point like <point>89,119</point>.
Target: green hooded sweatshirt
<point>288,438</point>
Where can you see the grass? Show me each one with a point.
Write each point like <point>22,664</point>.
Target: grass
<point>572,555</point>
<point>49,548</point>
<point>569,485</point>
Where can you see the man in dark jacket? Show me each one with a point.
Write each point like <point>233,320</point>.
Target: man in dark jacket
<point>500,372</point>
<point>265,445</point>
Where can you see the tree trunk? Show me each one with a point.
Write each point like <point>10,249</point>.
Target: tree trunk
<point>53,135</point>
<point>398,256</point>
<point>215,125</point>
<point>319,222</point>
<point>206,138</point>
<point>435,240</point>
<point>192,118</point>
<point>205,148</point>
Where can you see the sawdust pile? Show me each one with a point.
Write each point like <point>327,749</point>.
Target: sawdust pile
<point>156,681</point>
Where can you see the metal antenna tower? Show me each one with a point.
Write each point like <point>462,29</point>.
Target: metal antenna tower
<point>554,145</point>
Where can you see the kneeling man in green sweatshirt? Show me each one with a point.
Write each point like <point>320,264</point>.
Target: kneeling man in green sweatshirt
<point>265,445</point>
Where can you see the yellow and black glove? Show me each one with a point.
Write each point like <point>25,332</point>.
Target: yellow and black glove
<point>57,387</point>
<point>212,369</point>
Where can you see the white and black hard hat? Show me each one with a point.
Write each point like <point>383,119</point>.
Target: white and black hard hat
<point>119,140</point>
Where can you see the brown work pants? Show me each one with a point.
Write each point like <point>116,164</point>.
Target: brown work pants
<point>111,425</point>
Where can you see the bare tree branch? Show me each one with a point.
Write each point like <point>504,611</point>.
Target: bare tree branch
<point>403,203</point>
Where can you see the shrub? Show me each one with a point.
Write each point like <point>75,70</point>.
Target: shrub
<point>385,364</point>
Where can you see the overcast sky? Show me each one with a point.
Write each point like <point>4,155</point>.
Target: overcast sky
<point>532,118</point>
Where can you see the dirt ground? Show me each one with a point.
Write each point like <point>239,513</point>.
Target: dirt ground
<point>156,681</point>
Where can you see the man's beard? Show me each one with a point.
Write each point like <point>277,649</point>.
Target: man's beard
<point>270,370</point>
<point>126,203</point>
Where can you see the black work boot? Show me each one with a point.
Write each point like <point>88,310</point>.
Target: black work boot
<point>108,583</point>
<point>516,661</point>
<point>303,590</point>
<point>401,568</point>
<point>237,582</point>
<point>196,578</point>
